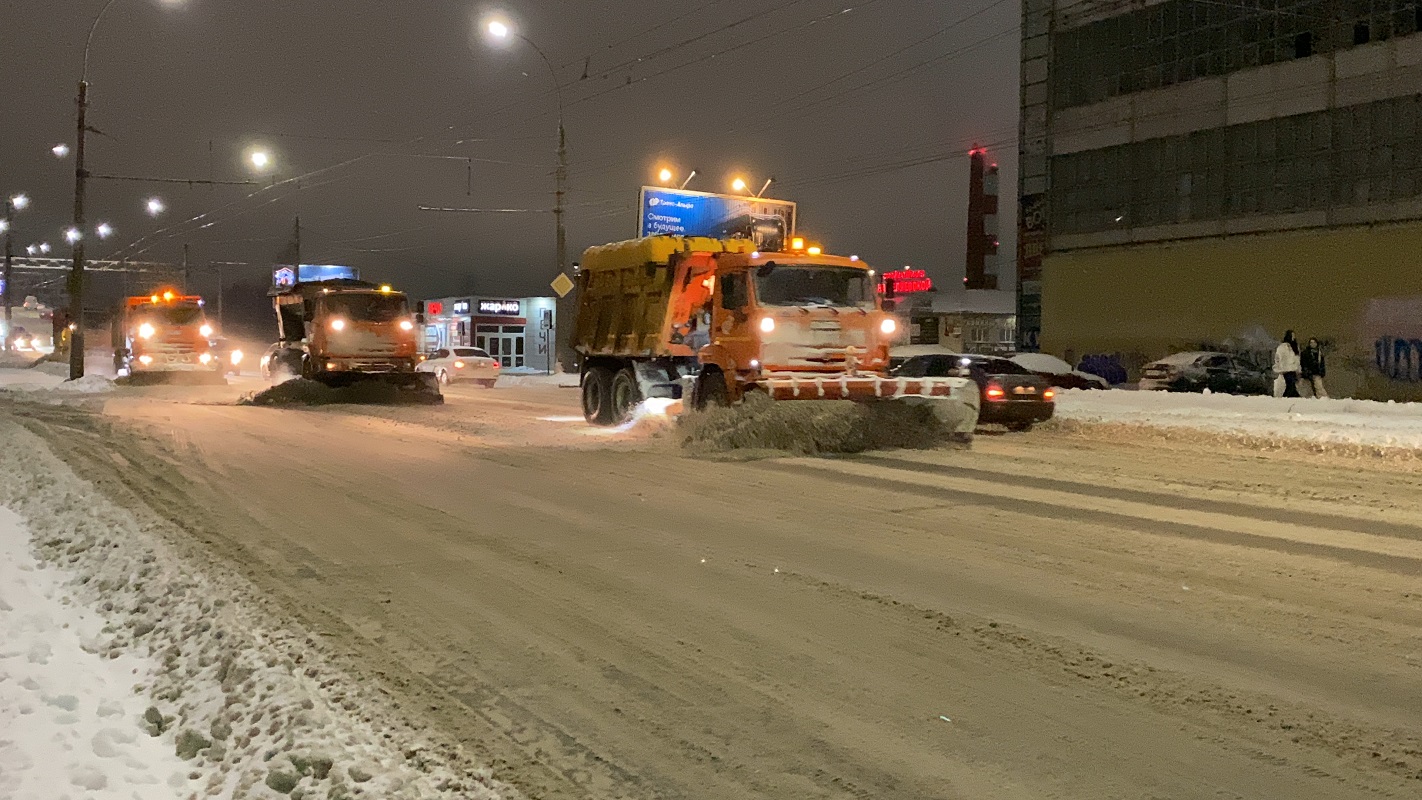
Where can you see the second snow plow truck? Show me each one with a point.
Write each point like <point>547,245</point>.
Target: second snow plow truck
<point>709,321</point>
<point>341,332</point>
<point>164,337</point>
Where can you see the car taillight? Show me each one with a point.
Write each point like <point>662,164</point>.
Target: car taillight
<point>1049,394</point>
<point>995,392</point>
<point>459,365</point>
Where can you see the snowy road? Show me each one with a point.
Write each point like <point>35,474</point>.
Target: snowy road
<point>1048,615</point>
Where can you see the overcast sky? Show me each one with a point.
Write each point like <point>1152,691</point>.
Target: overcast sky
<point>862,109</point>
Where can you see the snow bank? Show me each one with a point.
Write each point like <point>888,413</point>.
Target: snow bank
<point>247,707</point>
<point>811,427</point>
<point>39,380</point>
<point>561,380</point>
<point>70,714</point>
<point>304,392</point>
<point>1333,422</point>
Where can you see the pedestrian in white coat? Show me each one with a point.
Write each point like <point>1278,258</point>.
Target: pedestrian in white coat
<point>1287,364</point>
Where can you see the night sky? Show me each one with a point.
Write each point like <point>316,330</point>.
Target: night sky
<point>863,115</point>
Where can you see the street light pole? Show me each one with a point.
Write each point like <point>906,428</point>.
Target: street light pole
<point>9,277</point>
<point>81,176</point>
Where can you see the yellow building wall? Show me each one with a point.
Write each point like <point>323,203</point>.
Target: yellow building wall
<point>1359,289</point>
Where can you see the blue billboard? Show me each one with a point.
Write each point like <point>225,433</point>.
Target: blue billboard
<point>770,223</point>
<point>286,276</point>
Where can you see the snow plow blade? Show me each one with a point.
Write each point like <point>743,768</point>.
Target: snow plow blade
<point>954,400</point>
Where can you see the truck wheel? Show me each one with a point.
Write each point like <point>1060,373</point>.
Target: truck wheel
<point>625,395</point>
<point>710,391</point>
<point>597,396</point>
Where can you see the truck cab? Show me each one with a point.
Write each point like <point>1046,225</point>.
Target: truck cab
<point>165,332</point>
<point>335,330</point>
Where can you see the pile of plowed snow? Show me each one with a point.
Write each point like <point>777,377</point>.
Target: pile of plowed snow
<point>303,392</point>
<point>812,427</point>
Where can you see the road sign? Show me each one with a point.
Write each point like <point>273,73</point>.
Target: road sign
<point>562,284</point>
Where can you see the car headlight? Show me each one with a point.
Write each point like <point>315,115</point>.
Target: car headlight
<point>205,330</point>
<point>146,331</point>
<point>888,326</point>
<point>767,324</point>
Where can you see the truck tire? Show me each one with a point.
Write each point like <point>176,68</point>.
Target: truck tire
<point>626,394</point>
<point>597,396</point>
<point>710,390</point>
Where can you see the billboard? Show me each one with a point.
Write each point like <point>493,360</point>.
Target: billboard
<point>770,223</point>
<point>285,276</point>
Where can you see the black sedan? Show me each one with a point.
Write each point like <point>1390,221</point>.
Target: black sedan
<point>1011,395</point>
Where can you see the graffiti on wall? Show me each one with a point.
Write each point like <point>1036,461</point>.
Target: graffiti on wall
<point>1394,326</point>
<point>1399,357</point>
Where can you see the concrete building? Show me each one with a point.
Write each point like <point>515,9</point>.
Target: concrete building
<point>962,320</point>
<point>518,331</point>
<point>1192,170</point>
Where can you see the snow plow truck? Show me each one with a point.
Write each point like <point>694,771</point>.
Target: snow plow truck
<point>709,321</point>
<point>164,337</point>
<point>341,332</point>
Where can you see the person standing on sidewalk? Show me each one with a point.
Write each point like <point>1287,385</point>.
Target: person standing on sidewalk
<point>1312,368</point>
<point>1286,364</point>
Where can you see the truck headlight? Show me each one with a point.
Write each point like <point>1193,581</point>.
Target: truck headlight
<point>205,330</point>
<point>236,357</point>
<point>888,326</point>
<point>145,359</point>
<point>146,331</point>
<point>205,358</point>
<point>767,324</point>
<point>338,324</point>
<point>406,325</point>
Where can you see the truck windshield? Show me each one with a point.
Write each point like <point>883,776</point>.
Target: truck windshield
<point>810,285</point>
<point>180,315</point>
<point>367,307</point>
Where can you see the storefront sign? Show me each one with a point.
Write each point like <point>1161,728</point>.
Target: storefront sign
<point>461,306</point>
<point>906,281</point>
<point>770,223</point>
<point>506,308</point>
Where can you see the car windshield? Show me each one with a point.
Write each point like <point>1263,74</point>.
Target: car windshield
<point>369,307</point>
<point>180,315</point>
<point>470,352</point>
<point>811,285</point>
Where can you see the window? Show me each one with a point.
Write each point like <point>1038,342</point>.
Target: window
<point>1361,33</point>
<point>1303,45</point>
<point>733,292</point>
<point>469,352</point>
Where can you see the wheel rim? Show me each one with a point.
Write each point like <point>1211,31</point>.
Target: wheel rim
<point>443,377</point>
<point>592,397</point>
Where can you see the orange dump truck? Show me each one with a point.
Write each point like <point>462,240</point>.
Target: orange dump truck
<point>163,334</point>
<point>342,331</point>
<point>707,321</point>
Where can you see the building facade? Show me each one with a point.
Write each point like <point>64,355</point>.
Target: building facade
<point>1195,170</point>
<point>962,321</point>
<point>518,331</point>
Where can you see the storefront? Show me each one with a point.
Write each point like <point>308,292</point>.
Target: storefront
<point>519,332</point>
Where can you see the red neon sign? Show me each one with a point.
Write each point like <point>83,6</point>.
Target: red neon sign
<point>908,281</point>
<point>434,308</point>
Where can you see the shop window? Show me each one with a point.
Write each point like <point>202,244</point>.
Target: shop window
<point>1362,33</point>
<point>1303,45</point>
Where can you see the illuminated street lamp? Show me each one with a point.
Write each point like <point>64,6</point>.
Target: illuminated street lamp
<point>738,185</point>
<point>154,206</point>
<point>73,235</point>
<point>60,150</point>
<point>81,176</point>
<point>12,204</point>
<point>104,230</point>
<point>260,159</point>
<point>665,175</point>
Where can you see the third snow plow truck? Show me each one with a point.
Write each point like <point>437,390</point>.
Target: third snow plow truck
<point>709,321</point>
<point>341,332</point>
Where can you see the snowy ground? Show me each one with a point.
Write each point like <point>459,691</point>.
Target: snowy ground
<point>1328,422</point>
<point>127,670</point>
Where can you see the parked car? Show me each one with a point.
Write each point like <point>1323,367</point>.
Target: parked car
<point>1009,394</point>
<point>265,363</point>
<point>453,364</point>
<point>1058,372</point>
<point>1198,371</point>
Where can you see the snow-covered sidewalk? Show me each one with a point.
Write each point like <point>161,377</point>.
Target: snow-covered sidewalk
<point>134,666</point>
<point>1328,422</point>
<point>70,721</point>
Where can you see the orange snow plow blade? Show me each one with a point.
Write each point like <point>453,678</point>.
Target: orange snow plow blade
<point>863,387</point>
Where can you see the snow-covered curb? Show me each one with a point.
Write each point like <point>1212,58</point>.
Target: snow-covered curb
<point>249,703</point>
<point>1337,423</point>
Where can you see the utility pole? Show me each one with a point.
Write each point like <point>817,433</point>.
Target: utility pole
<point>220,326</point>
<point>185,267</point>
<point>76,271</point>
<point>9,277</point>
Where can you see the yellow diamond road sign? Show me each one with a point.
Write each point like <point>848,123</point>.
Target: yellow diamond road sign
<point>562,284</point>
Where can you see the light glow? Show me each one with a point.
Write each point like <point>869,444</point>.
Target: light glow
<point>406,325</point>
<point>664,176</point>
<point>236,357</point>
<point>19,201</point>
<point>146,330</point>
<point>767,324</point>
<point>338,324</point>
<point>60,150</point>
<point>739,184</point>
<point>145,359</point>
<point>105,230</point>
<point>814,250</point>
<point>205,330</point>
<point>205,358</point>
<point>155,206</point>
<point>498,29</point>
<point>73,235</point>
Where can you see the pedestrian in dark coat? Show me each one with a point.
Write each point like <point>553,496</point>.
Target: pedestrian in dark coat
<point>1312,368</point>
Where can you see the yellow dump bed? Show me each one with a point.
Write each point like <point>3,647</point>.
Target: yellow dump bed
<point>657,250</point>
